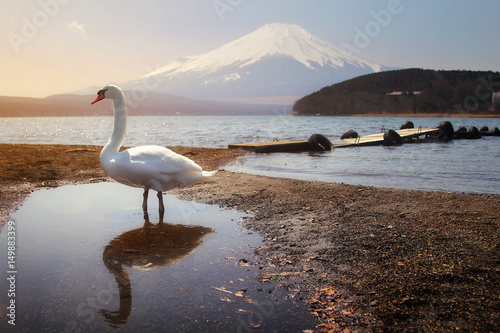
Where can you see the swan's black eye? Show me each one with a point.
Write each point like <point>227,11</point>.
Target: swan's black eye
<point>100,96</point>
<point>101,92</point>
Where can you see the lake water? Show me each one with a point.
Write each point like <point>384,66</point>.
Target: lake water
<point>471,166</point>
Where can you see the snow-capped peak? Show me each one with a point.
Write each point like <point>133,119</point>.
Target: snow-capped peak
<point>275,60</point>
<point>274,39</point>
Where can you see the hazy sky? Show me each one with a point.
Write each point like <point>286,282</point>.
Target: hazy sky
<point>59,46</point>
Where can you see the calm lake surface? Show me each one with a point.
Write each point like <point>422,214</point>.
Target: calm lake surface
<point>471,166</point>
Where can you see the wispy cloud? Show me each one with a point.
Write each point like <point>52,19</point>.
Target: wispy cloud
<point>76,27</point>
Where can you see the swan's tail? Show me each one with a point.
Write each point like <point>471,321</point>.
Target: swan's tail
<point>209,173</point>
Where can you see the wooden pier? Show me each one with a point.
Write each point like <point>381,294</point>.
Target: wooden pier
<point>378,139</point>
<point>300,145</point>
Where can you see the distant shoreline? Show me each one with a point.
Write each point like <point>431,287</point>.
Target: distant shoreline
<point>411,115</point>
<point>430,115</point>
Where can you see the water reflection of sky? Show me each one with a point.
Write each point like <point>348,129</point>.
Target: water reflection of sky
<point>87,259</point>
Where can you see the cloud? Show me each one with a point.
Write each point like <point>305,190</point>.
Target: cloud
<point>75,27</point>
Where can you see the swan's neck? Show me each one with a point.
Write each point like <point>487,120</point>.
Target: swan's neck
<point>119,127</point>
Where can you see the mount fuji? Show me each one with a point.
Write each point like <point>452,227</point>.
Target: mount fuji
<point>275,61</point>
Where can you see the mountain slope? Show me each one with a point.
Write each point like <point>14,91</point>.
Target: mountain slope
<point>275,60</point>
<point>153,104</point>
<point>287,40</point>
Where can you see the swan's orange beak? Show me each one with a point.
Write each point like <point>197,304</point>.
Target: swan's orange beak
<point>100,96</point>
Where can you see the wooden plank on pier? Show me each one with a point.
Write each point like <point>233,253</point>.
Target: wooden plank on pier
<point>273,146</point>
<point>378,139</point>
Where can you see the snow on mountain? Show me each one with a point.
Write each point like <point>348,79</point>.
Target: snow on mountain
<point>275,60</point>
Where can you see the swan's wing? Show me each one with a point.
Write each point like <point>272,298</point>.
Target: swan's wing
<point>153,167</point>
<point>161,160</point>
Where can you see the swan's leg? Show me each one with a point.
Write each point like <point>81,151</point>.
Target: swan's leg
<point>161,207</point>
<point>145,201</point>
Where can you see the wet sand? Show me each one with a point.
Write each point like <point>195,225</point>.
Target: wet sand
<point>363,258</point>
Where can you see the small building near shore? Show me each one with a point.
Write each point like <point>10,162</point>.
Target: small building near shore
<point>495,100</point>
<point>403,93</point>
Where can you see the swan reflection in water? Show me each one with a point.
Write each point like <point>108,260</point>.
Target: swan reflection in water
<point>147,248</point>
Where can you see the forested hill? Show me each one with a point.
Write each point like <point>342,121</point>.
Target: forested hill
<point>406,91</point>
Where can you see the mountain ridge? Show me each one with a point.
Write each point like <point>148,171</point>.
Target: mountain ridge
<point>70,105</point>
<point>278,39</point>
<point>242,69</point>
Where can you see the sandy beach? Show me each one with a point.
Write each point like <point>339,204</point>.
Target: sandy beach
<point>362,258</point>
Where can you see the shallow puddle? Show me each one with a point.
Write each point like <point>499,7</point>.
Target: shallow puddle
<point>88,260</point>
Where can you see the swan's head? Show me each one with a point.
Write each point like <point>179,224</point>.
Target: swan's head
<point>110,91</point>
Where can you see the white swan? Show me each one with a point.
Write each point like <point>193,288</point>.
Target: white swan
<point>148,167</point>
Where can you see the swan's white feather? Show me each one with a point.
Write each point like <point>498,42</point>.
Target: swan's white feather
<point>153,167</point>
